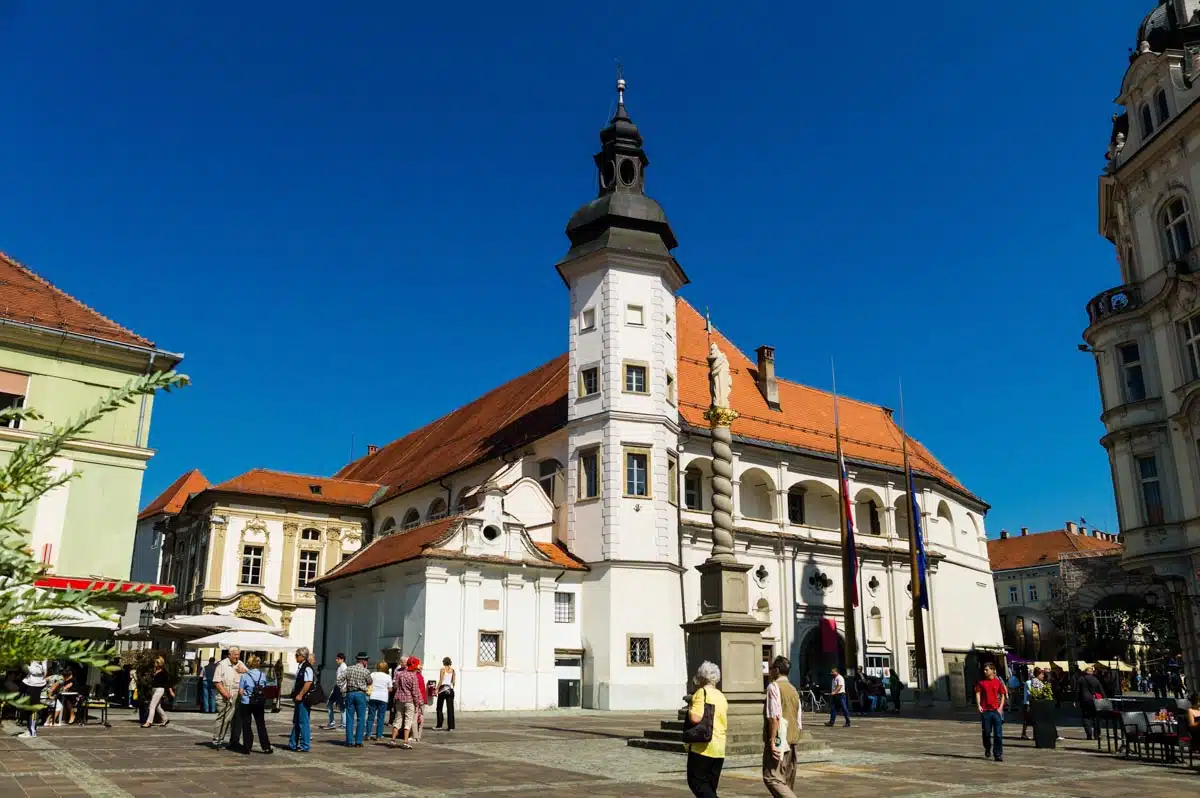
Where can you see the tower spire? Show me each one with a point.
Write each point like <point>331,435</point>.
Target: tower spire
<point>620,85</point>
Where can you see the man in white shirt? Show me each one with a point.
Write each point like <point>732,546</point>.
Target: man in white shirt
<point>226,678</point>
<point>337,700</point>
<point>837,699</point>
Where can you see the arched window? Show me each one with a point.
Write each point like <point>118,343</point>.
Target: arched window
<point>866,513</point>
<point>460,504</point>
<point>388,527</point>
<point>310,534</point>
<point>796,504</point>
<point>411,518</point>
<point>693,488</point>
<point>756,492</point>
<point>875,624</point>
<point>548,471</point>
<point>437,509</point>
<point>902,513</point>
<point>1160,105</point>
<point>1177,230</point>
<point>1147,122</point>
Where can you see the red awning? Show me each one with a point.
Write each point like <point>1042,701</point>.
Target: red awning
<point>126,589</point>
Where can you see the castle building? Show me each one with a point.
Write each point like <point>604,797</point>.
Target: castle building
<point>1145,332</point>
<point>545,536</point>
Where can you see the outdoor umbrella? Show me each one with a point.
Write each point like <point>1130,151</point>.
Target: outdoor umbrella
<point>246,640</point>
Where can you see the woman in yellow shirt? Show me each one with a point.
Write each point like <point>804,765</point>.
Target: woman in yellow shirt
<point>705,759</point>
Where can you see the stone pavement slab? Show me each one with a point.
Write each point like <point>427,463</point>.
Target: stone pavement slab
<point>561,753</point>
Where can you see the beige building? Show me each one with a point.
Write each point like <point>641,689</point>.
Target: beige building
<point>1145,332</point>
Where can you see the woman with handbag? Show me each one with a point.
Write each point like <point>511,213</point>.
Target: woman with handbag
<point>705,732</point>
<point>447,680</point>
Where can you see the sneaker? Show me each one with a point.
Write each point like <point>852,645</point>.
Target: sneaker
<point>987,754</point>
<point>830,723</point>
<point>999,759</point>
<point>846,725</point>
<point>26,734</point>
<point>406,746</point>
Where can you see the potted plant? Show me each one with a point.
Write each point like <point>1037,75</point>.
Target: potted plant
<point>1045,716</point>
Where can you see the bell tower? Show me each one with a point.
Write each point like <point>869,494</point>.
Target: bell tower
<point>623,429</point>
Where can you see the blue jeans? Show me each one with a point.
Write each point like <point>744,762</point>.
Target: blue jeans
<point>301,736</point>
<point>336,701</point>
<point>837,703</point>
<point>208,701</point>
<point>355,717</point>
<point>376,716</point>
<point>993,733</point>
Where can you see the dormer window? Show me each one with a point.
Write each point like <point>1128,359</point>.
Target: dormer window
<point>1147,122</point>
<point>1177,230</point>
<point>1160,107</point>
<point>314,490</point>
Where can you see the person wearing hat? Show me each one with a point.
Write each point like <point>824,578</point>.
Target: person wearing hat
<point>408,691</point>
<point>358,680</point>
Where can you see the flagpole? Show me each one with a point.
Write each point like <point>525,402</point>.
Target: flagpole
<point>851,634</point>
<point>922,667</point>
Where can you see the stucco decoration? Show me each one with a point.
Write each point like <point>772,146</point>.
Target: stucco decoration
<point>285,621</point>
<point>1185,300</point>
<point>250,606</point>
<point>334,535</point>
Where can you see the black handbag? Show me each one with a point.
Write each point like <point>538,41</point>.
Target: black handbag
<point>701,732</point>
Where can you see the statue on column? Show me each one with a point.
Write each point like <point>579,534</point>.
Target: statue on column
<point>721,416</point>
<point>720,383</point>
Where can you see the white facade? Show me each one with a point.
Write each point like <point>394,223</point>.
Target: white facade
<point>1143,332</point>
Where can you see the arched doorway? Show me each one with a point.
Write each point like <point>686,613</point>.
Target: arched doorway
<point>816,660</point>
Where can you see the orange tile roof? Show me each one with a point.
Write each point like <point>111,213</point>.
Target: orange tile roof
<point>518,412</point>
<point>535,404</point>
<point>559,555</point>
<point>806,416</point>
<point>30,299</point>
<point>171,500</point>
<point>1043,548</point>
<point>262,482</point>
<point>396,548</point>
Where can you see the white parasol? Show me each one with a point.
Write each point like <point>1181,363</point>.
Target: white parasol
<point>246,640</point>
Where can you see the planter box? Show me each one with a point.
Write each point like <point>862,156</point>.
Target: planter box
<point>1045,724</point>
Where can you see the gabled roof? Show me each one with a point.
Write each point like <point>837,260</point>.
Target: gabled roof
<point>535,404</point>
<point>1043,548</point>
<point>171,500</point>
<point>30,299</point>
<point>282,485</point>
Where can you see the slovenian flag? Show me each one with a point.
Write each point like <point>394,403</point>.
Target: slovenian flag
<point>850,555</point>
<point>921,564</point>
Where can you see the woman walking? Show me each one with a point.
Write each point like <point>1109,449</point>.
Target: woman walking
<point>160,685</point>
<point>705,760</point>
<point>377,700</point>
<point>253,690</point>
<point>447,680</point>
<point>31,687</point>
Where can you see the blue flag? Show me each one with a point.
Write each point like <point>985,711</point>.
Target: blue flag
<point>921,563</point>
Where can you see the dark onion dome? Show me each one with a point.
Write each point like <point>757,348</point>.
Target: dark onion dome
<point>1160,29</point>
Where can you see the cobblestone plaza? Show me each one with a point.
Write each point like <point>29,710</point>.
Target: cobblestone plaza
<point>559,754</point>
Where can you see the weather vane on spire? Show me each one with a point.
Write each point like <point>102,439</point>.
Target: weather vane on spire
<point>620,83</point>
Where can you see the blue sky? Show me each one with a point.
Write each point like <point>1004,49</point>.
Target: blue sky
<point>348,219</point>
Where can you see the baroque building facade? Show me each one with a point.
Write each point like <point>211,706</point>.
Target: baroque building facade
<point>1145,332</point>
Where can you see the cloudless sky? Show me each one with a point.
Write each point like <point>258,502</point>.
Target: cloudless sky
<point>347,215</point>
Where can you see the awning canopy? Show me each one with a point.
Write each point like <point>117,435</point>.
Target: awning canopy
<point>116,589</point>
<point>246,640</point>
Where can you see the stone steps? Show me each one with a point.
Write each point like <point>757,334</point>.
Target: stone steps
<point>668,738</point>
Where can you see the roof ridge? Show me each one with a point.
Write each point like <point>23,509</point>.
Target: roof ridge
<point>260,470</point>
<point>61,294</point>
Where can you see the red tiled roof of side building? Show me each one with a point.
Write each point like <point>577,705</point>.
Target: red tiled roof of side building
<point>171,500</point>
<point>28,298</point>
<point>396,548</point>
<point>805,417</point>
<point>280,484</point>
<point>518,412</point>
<point>559,555</point>
<point>1043,548</point>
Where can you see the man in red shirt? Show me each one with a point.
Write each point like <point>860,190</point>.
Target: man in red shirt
<point>990,695</point>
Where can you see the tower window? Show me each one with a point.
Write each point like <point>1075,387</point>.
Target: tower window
<point>587,319</point>
<point>672,479</point>
<point>635,315</point>
<point>637,473</point>
<point>1160,104</point>
<point>1177,230</point>
<point>1131,370</point>
<point>1147,122</point>
<point>1191,345</point>
<point>589,473</point>
<point>589,381</point>
<point>671,388</point>
<point>636,378</point>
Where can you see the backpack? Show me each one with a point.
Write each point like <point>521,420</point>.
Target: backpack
<point>258,696</point>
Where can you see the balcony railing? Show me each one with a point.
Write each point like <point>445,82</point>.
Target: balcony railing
<point>1117,300</point>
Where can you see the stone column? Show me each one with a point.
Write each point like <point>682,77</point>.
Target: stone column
<point>219,526</point>
<point>725,633</point>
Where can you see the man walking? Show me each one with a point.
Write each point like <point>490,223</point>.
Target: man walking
<point>990,694</point>
<point>338,696</point>
<point>226,677</point>
<point>781,731</point>
<point>208,700</point>
<point>301,737</point>
<point>1090,689</point>
<point>837,699</point>
<point>357,680</point>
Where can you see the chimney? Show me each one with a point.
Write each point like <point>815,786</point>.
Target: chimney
<point>1083,530</point>
<point>371,449</point>
<point>767,383</point>
<point>1074,530</point>
<point>1004,534</point>
<point>1024,531</point>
